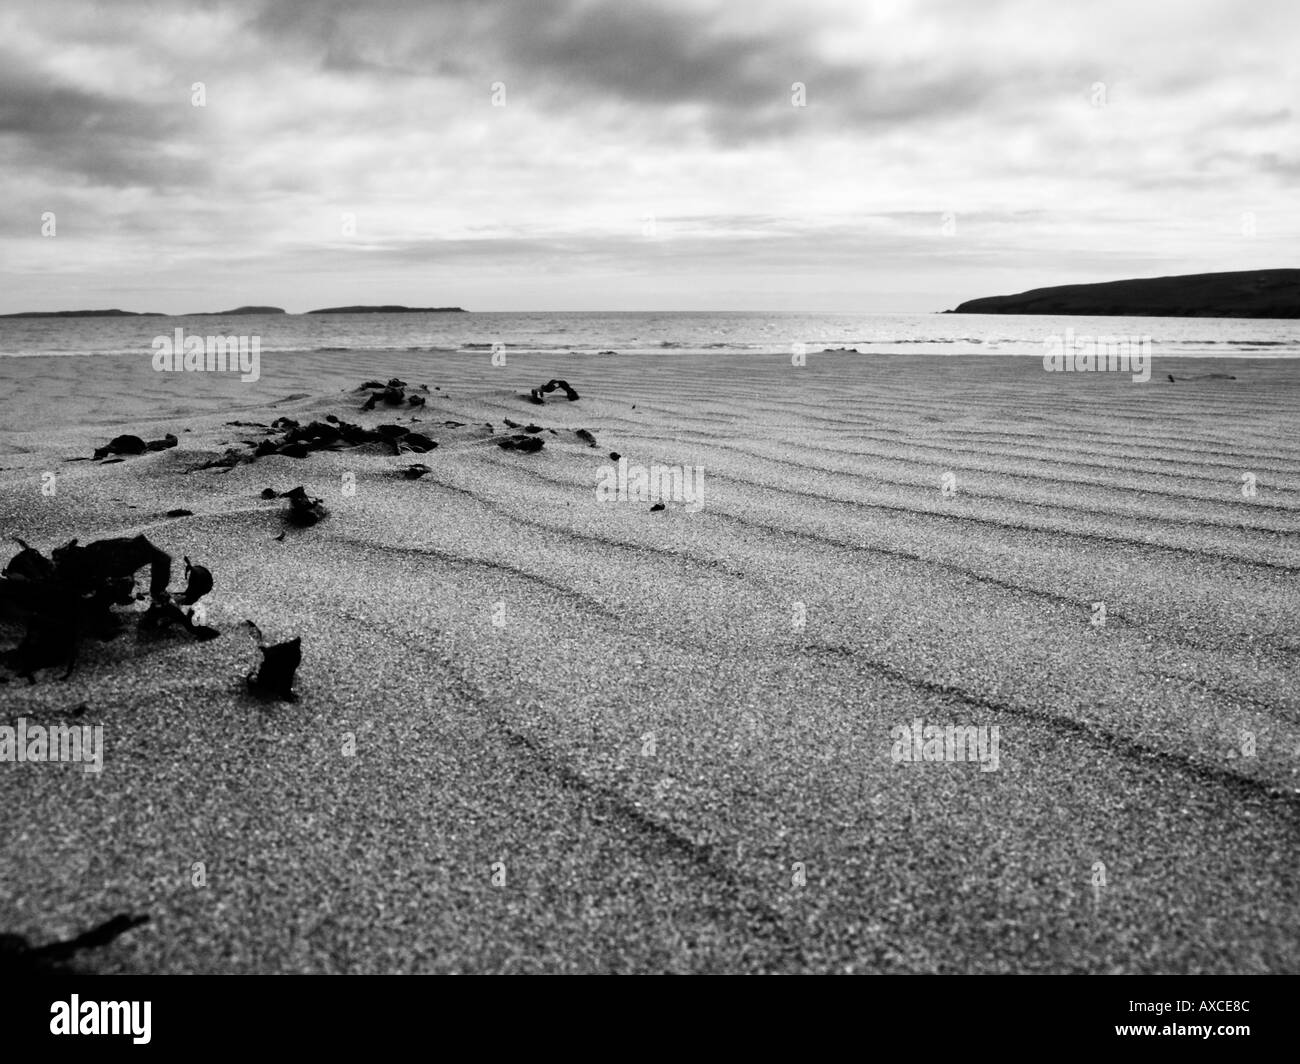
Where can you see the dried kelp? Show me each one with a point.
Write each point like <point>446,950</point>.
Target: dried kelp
<point>61,600</point>
<point>527,444</point>
<point>304,510</point>
<point>19,957</point>
<point>133,445</point>
<point>274,677</point>
<point>535,395</point>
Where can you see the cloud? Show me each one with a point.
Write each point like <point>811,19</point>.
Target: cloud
<point>51,126</point>
<point>621,110</point>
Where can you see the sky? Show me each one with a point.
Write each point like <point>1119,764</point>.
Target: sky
<point>815,155</point>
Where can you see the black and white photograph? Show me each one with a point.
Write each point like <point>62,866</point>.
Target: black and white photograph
<point>701,487</point>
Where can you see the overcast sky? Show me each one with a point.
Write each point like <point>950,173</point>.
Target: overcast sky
<point>647,156</point>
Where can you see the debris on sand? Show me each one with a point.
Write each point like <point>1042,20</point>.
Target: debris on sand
<point>586,437</point>
<point>527,444</point>
<point>414,441</point>
<point>19,957</point>
<point>391,394</point>
<point>416,471</point>
<point>29,564</point>
<point>125,444</point>
<point>536,394</point>
<point>180,513</point>
<point>656,506</point>
<point>121,445</point>
<point>330,434</point>
<point>614,456</point>
<point>71,595</point>
<point>226,462</point>
<point>199,583</point>
<point>133,445</point>
<point>304,511</point>
<point>274,677</point>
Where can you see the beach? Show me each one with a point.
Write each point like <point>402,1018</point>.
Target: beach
<point>542,731</point>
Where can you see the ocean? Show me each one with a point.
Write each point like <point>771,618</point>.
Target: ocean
<point>634,332</point>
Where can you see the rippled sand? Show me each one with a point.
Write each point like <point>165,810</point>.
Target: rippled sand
<point>675,740</point>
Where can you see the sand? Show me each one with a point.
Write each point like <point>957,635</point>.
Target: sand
<point>672,773</point>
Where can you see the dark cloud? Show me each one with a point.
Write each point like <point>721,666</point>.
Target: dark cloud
<point>35,104</point>
<point>623,109</point>
<point>693,69</point>
<point>71,134</point>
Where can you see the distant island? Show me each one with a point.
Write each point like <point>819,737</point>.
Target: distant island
<point>389,310</point>
<point>237,310</point>
<point>82,314</point>
<point>1243,294</point>
<point>229,313</point>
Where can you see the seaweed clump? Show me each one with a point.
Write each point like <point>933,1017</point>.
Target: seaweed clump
<point>20,957</point>
<point>535,395</point>
<point>274,677</point>
<point>59,601</point>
